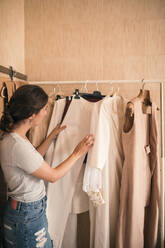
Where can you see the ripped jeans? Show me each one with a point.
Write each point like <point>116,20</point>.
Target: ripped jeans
<point>27,226</point>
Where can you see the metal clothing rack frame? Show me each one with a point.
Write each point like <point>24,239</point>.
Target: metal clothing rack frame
<point>12,73</point>
<point>161,82</point>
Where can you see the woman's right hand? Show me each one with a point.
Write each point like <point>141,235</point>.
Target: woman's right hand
<point>84,146</point>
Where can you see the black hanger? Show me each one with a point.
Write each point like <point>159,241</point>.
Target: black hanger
<point>95,95</point>
<point>58,97</point>
<point>77,94</point>
<point>68,98</point>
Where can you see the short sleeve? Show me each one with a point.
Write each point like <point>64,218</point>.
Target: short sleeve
<point>26,157</point>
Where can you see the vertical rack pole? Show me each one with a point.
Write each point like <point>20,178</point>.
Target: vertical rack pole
<point>162,220</point>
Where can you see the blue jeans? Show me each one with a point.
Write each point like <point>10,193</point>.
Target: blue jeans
<point>27,226</point>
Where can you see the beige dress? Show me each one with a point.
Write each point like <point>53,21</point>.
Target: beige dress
<point>139,194</point>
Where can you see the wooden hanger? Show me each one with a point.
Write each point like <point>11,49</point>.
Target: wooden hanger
<point>144,97</point>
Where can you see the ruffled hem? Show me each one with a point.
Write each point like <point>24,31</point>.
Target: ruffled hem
<point>92,185</point>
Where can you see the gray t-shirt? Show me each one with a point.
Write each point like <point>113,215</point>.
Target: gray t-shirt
<point>18,160</point>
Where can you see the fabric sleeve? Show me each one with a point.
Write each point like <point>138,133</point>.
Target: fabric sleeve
<point>100,129</point>
<point>92,182</point>
<point>92,185</point>
<point>26,157</point>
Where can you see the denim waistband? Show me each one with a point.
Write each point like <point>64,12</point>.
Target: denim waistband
<point>34,203</point>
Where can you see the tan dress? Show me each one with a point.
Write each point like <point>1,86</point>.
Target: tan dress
<point>139,194</point>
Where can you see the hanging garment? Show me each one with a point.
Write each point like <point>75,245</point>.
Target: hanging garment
<point>4,96</point>
<point>77,231</point>
<point>83,230</point>
<point>107,157</point>
<point>3,198</point>
<point>80,201</point>
<point>60,194</point>
<point>56,117</point>
<point>3,185</point>
<point>1,99</point>
<point>139,194</point>
<point>70,234</point>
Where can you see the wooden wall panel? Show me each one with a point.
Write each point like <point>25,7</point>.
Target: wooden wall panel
<point>12,34</point>
<point>94,39</point>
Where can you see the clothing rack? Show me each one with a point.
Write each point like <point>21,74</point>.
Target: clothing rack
<point>161,82</point>
<point>98,81</point>
<point>162,164</point>
<point>10,71</point>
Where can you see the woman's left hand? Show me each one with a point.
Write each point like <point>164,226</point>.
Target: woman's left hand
<point>57,130</point>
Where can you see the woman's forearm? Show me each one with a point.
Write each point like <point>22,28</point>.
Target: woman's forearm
<point>81,149</point>
<point>64,167</point>
<point>53,174</point>
<point>42,149</point>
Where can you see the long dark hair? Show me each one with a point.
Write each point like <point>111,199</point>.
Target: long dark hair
<point>26,101</point>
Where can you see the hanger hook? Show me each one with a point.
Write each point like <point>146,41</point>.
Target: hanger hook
<point>143,84</point>
<point>112,88</point>
<point>85,86</point>
<point>59,89</point>
<point>97,86</point>
<point>2,92</point>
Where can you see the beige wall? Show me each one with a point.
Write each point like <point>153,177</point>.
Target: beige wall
<point>94,39</point>
<point>12,34</point>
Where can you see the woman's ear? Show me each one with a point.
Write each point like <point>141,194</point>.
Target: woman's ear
<point>31,118</point>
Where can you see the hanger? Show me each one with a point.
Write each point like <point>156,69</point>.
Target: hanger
<point>52,93</point>
<point>97,92</point>
<point>144,95</point>
<point>96,95</point>
<point>4,94</point>
<point>112,88</point>
<point>59,94</point>
<point>84,87</point>
<point>77,95</point>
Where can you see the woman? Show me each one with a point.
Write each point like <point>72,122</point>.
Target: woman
<point>25,222</point>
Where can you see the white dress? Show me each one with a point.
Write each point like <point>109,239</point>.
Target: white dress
<point>103,171</point>
<point>60,194</point>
